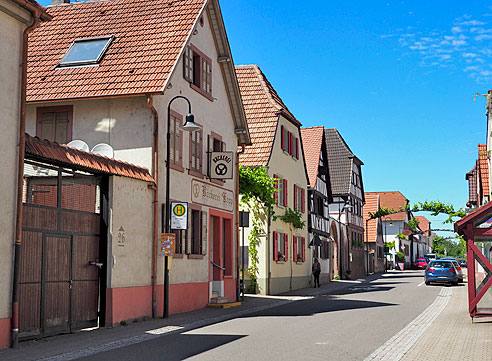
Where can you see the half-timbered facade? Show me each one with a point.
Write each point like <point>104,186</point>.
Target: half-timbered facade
<point>319,197</point>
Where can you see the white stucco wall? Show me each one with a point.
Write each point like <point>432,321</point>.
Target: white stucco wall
<point>13,21</point>
<point>130,233</point>
<point>124,123</point>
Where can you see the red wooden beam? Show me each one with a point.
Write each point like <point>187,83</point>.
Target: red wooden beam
<point>487,285</point>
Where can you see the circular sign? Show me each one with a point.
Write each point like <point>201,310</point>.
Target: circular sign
<point>221,169</point>
<point>179,210</point>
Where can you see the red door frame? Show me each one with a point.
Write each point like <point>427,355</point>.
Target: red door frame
<point>467,227</point>
<point>222,216</point>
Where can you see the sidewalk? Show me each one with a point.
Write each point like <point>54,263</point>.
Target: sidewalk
<point>453,336</point>
<point>86,343</point>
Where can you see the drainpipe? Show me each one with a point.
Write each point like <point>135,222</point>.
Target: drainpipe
<point>155,204</point>
<point>20,181</point>
<point>238,283</point>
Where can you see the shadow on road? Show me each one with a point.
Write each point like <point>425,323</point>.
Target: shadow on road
<point>178,346</point>
<point>321,304</point>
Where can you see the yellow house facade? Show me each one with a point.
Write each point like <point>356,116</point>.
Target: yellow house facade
<point>283,264</point>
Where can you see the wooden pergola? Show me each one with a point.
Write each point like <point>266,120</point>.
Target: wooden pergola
<point>477,230</point>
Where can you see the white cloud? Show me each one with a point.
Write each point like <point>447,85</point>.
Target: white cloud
<point>472,23</point>
<point>458,42</point>
<point>469,55</point>
<point>456,29</point>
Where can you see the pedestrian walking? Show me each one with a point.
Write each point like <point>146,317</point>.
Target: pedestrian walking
<point>316,272</point>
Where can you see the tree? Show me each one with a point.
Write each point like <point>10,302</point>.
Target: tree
<point>449,246</point>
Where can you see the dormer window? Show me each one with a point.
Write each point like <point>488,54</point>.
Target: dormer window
<point>86,51</point>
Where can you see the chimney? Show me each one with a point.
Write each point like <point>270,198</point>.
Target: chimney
<point>56,2</point>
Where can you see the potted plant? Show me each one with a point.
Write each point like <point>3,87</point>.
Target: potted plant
<point>299,258</point>
<point>348,274</point>
<point>280,257</point>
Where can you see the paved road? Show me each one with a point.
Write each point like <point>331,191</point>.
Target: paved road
<point>346,325</point>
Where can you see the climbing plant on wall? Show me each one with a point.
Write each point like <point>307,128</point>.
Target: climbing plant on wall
<point>257,190</point>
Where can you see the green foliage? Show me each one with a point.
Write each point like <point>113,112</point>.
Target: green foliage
<point>449,246</point>
<point>413,224</point>
<point>255,183</point>
<point>390,245</point>
<point>257,191</point>
<point>400,236</point>
<point>400,256</point>
<point>293,217</point>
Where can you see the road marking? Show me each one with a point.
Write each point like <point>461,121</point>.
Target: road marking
<point>421,283</point>
<point>397,346</point>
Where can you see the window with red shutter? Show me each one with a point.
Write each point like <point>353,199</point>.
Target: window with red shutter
<point>275,246</point>
<point>297,149</point>
<point>282,137</point>
<point>303,246</point>
<point>291,143</point>
<point>286,246</point>
<point>303,200</point>
<point>295,196</point>
<point>294,248</point>
<point>197,69</point>
<point>286,203</point>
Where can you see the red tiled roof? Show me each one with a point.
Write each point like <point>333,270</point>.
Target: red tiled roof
<point>149,36</point>
<point>393,200</point>
<point>484,168</point>
<point>67,156</point>
<point>312,139</point>
<point>262,105</point>
<point>371,205</point>
<point>424,224</point>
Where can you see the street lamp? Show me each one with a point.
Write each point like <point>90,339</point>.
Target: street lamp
<point>385,241</point>
<point>346,205</point>
<point>190,126</point>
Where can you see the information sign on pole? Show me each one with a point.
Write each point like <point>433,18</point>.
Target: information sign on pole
<point>179,215</point>
<point>166,246</point>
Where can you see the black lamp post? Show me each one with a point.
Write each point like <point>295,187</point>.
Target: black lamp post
<point>190,126</point>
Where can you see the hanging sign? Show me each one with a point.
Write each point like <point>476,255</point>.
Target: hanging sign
<point>179,215</point>
<point>221,165</point>
<point>166,246</point>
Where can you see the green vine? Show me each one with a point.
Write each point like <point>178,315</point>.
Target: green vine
<point>435,207</point>
<point>293,217</point>
<point>257,192</point>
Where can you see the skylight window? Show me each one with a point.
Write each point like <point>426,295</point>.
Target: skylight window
<point>86,51</point>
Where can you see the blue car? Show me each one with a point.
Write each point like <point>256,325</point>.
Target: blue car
<point>442,271</point>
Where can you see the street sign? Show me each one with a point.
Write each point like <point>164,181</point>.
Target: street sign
<point>221,165</point>
<point>243,219</point>
<point>179,215</point>
<point>166,246</point>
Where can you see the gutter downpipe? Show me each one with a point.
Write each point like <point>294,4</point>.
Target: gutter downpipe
<point>238,283</point>
<point>20,181</point>
<point>155,202</point>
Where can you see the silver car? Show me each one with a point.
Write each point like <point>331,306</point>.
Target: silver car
<point>459,271</point>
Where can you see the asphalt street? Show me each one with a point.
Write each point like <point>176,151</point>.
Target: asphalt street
<point>344,325</point>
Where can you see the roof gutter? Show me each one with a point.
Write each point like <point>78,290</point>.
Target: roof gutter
<point>33,9</point>
<point>155,202</point>
<point>37,13</point>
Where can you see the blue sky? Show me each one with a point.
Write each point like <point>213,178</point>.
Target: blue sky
<point>396,78</point>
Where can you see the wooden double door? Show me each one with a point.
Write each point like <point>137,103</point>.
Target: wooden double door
<point>59,278</point>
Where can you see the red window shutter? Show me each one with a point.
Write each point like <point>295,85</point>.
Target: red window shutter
<point>295,197</point>
<point>303,243</point>
<point>275,246</point>
<point>297,148</point>
<point>290,143</point>
<point>188,64</point>
<point>282,137</point>
<point>286,203</point>
<point>294,248</point>
<point>275,184</point>
<point>286,246</point>
<point>303,200</point>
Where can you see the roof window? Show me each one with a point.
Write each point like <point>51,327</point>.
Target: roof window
<point>86,51</point>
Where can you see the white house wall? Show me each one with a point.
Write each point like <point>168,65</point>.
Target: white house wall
<point>13,21</point>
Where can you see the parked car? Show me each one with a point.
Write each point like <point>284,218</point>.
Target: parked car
<point>462,262</point>
<point>441,271</point>
<point>420,263</point>
<point>456,264</point>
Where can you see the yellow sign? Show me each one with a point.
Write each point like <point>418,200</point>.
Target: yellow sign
<point>166,247</point>
<point>179,209</point>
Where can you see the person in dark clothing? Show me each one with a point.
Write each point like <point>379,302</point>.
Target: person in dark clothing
<point>316,272</point>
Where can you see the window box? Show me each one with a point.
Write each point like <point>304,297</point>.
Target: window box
<point>300,262</point>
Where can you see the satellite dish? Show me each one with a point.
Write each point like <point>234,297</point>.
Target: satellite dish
<point>104,150</point>
<point>78,144</point>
